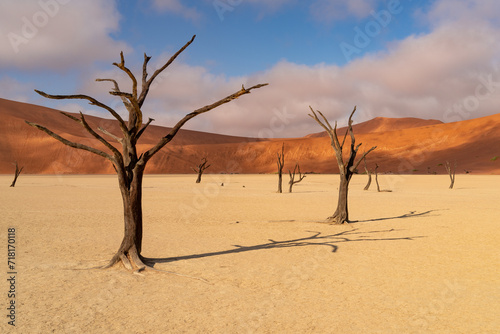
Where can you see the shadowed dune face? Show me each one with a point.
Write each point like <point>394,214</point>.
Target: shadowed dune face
<point>406,145</point>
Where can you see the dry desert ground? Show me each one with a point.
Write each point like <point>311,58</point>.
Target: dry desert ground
<point>420,259</point>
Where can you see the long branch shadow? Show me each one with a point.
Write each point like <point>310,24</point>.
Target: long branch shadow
<point>406,215</point>
<point>317,239</point>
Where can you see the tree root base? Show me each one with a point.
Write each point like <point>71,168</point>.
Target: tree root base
<point>138,265</point>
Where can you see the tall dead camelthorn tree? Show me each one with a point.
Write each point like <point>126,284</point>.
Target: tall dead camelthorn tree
<point>16,175</point>
<point>281,163</point>
<point>200,169</point>
<point>346,167</point>
<point>292,177</point>
<point>451,172</point>
<point>127,162</point>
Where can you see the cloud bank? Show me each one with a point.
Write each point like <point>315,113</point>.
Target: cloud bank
<point>449,73</point>
<point>58,34</point>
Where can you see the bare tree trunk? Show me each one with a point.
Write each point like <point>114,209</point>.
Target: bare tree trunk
<point>200,169</point>
<point>451,172</point>
<point>130,248</point>
<point>341,214</point>
<point>292,177</point>
<point>369,177</point>
<point>346,168</point>
<point>376,180</point>
<point>17,172</point>
<point>281,163</point>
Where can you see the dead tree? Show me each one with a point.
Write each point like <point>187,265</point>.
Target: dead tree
<point>18,171</point>
<point>451,172</point>
<point>200,169</point>
<point>127,162</point>
<point>292,177</point>
<point>281,163</point>
<point>369,176</point>
<point>376,181</point>
<point>346,167</point>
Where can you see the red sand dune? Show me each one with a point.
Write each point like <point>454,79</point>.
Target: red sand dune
<point>406,145</point>
<point>382,124</point>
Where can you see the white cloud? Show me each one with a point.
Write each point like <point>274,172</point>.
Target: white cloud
<point>177,7</point>
<point>448,74</point>
<point>465,11</point>
<point>57,34</point>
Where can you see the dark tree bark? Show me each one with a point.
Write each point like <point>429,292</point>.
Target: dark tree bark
<point>127,162</point>
<point>17,172</point>
<point>369,176</point>
<point>292,177</point>
<point>451,172</point>
<point>200,169</point>
<point>346,167</point>
<point>281,163</point>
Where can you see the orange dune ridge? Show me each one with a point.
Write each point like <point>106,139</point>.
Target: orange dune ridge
<point>404,145</point>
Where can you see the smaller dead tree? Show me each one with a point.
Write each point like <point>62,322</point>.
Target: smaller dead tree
<point>292,177</point>
<point>451,172</point>
<point>18,171</point>
<point>200,169</point>
<point>369,176</point>
<point>281,163</point>
<point>347,167</point>
<point>376,181</point>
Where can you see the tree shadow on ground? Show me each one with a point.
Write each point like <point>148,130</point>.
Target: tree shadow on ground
<point>317,239</point>
<point>411,214</point>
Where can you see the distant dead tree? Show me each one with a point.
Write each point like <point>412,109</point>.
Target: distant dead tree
<point>369,176</point>
<point>17,172</point>
<point>128,163</point>
<point>376,181</point>
<point>292,177</point>
<point>281,163</point>
<point>346,167</point>
<point>451,172</point>
<point>200,169</point>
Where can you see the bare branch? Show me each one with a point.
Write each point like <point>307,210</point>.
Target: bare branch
<point>117,88</point>
<point>355,166</point>
<point>17,173</point>
<point>113,149</point>
<point>70,143</point>
<point>292,176</point>
<point>175,129</point>
<point>146,84</point>
<point>345,135</point>
<point>87,127</point>
<point>145,70</point>
<point>125,69</point>
<point>141,131</point>
<point>91,100</point>
<point>332,133</point>
<point>106,132</point>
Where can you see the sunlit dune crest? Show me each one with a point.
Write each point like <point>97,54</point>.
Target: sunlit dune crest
<point>404,145</point>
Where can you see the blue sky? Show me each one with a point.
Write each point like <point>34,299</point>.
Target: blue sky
<point>409,58</point>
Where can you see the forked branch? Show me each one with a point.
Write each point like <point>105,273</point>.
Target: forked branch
<point>451,171</point>
<point>200,169</point>
<point>146,83</point>
<point>16,175</point>
<point>70,143</point>
<point>292,177</point>
<point>92,101</point>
